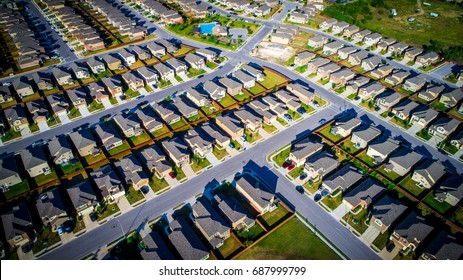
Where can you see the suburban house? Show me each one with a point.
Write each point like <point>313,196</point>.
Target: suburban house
<point>16,117</point>
<point>200,99</point>
<point>381,71</point>
<point>209,222</point>
<point>342,76</point>
<point>132,80</point>
<point>9,173</point>
<point>317,41</point>
<point>451,99</point>
<point>385,212</point>
<point>128,57</point>
<point>303,58</point>
<point>177,151</point>
<point>216,135</point>
<point>142,54</point>
<point>247,80</point>
<point>148,74</point>
<point>23,87</point>
<point>38,110</point>
<point>43,80</point>
<point>167,113</point>
<point>402,161</point>
<point>149,119</point>
<point>198,143</point>
<point>350,30</point>
<point>233,212</point>
<point>359,36</point>
<point>113,85</point>
<point>388,99</point>
<point>155,161</point>
<point>50,208</point>
<point>327,24</point>
<point>78,97</point>
<point>372,39</point>
<point>320,165</point>
<point>232,86</point>
<point>60,151</point>
<point>35,161</point>
<point>451,190</point>
<point>195,61</point>
<point>339,27</point>
<point>164,71</point>
<point>249,118</point>
<point>256,73</point>
<point>411,232</point>
<point>345,52</point>
<point>427,59</point>
<point>443,127</point>
<point>132,172</point>
<point>17,225</point>
<point>431,92</point>
<point>325,71</point>
<point>84,142</point>
<point>83,197</point>
<point>155,248</point>
<point>405,109</point>
<point>112,62</point>
<point>382,149</point>
<point>365,194</point>
<point>384,43</point>
<point>332,48</point>
<point>208,54</point>
<point>179,66</point>
<point>343,179</point>
<point>185,241</point>
<point>108,182</point>
<point>255,193</point>
<point>62,76</point>
<point>58,103</point>
<point>281,38</point>
<point>231,125</point>
<point>457,140</point>
<point>414,84</point>
<point>80,70</point>
<point>129,125</point>
<point>357,57</point>
<point>428,173</point>
<point>215,91</point>
<point>303,93</point>
<point>96,65</point>
<point>314,64</point>
<point>304,149</point>
<point>371,90</point>
<point>423,115</point>
<point>370,63</point>
<point>344,127</point>
<point>299,17</point>
<point>397,48</point>
<point>397,77</point>
<point>156,49</point>
<point>444,247</point>
<point>109,138</point>
<point>185,107</point>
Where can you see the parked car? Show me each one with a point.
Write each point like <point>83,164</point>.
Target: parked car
<point>324,193</point>
<point>67,227</point>
<point>243,138</point>
<point>93,217</point>
<point>303,176</point>
<point>286,164</point>
<point>322,121</point>
<point>231,145</point>
<point>60,230</point>
<point>317,197</point>
<point>172,175</point>
<point>390,246</point>
<point>288,118</point>
<point>291,166</point>
<point>300,189</point>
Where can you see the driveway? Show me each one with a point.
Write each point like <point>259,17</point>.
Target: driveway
<point>212,159</point>
<point>188,171</point>
<point>106,103</point>
<point>123,204</point>
<point>184,77</point>
<point>84,111</point>
<point>370,234</point>
<point>339,212</point>
<point>43,126</point>
<point>64,118</point>
<point>174,81</point>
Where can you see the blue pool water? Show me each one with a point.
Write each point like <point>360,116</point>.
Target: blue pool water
<point>206,28</point>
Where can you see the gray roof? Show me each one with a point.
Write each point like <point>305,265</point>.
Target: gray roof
<point>453,186</point>
<point>105,178</point>
<point>232,209</point>
<point>252,70</point>
<point>193,58</point>
<point>195,137</point>
<point>82,194</point>
<point>405,158</point>
<point>231,122</point>
<point>214,132</point>
<point>212,88</point>
<point>385,145</point>
<point>431,170</point>
<point>406,107</point>
<point>148,117</point>
<point>449,124</point>
<point>305,147</point>
<point>21,83</point>
<point>127,121</point>
<point>243,76</point>
<point>367,133</point>
<point>209,220</point>
<point>388,210</point>
<point>49,204</point>
<point>176,147</point>
<point>33,157</point>
<point>58,146</point>
<point>344,178</point>
<point>185,240</point>
<point>347,123</point>
<point>184,107</point>
<point>156,248</point>
<point>162,69</point>
<point>255,189</point>
<point>153,157</point>
<point>17,221</point>
<point>82,138</point>
<point>390,97</point>
<point>305,54</point>
<point>147,72</point>
<point>246,113</point>
<point>104,131</point>
<point>414,228</point>
<point>175,62</point>
<point>8,167</point>
<point>130,169</point>
<point>444,247</point>
<point>322,162</point>
<point>368,191</point>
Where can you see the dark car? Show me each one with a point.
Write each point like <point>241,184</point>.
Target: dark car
<point>300,189</point>
<point>325,193</point>
<point>291,166</point>
<point>286,164</point>
<point>172,175</point>
<point>317,197</point>
<point>303,176</point>
<point>93,217</point>
<point>390,246</point>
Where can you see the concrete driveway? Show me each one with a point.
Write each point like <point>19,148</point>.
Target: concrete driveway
<point>43,126</point>
<point>64,118</point>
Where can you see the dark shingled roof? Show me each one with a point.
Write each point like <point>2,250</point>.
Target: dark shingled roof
<point>414,228</point>
<point>255,189</point>
<point>232,209</point>
<point>388,210</point>
<point>444,247</point>
<point>369,191</point>
<point>156,248</point>
<point>17,222</point>
<point>185,240</point>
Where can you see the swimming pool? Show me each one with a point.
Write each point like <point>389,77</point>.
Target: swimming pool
<point>206,28</point>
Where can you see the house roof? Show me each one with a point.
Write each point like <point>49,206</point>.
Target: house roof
<point>193,58</point>
<point>17,221</point>
<point>33,157</point>
<point>388,210</point>
<point>255,189</point>
<point>58,146</point>
<point>252,70</point>
<point>405,158</point>
<point>232,209</point>
<point>130,169</point>
<point>367,133</point>
<point>213,132</point>
<point>368,191</point>
<point>196,138</point>
<point>347,124</point>
<point>209,220</point>
<point>127,121</point>
<point>175,62</point>
<point>184,107</point>
<point>153,157</point>
<point>414,228</point>
<point>94,62</point>
<point>8,167</point>
<point>82,138</point>
<point>105,178</point>
<point>305,54</point>
<point>229,83</point>
<point>49,204</point>
<point>431,170</point>
<point>449,124</point>
<point>76,94</point>
<point>444,247</point>
<point>212,88</point>
<point>385,146</point>
<point>185,240</point>
<point>323,162</point>
<point>319,61</point>
<point>156,248</point>
<point>148,117</point>
<point>107,133</point>
<point>176,147</point>
<point>305,147</point>
<point>196,94</point>
<point>452,186</point>
<point>417,80</point>
<point>81,194</point>
<point>247,114</point>
<point>360,55</point>
<point>231,122</point>
<point>344,178</point>
<point>112,82</point>
<point>147,72</point>
<point>162,68</point>
<point>406,107</point>
<point>390,97</point>
<point>21,83</point>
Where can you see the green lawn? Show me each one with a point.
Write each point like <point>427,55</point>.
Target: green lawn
<point>296,172</point>
<point>182,51</point>
<point>366,159</point>
<point>282,121</point>
<point>352,96</point>
<point>385,114</point>
<point>301,69</point>
<point>424,134</point>
<point>195,72</point>
<point>249,236</point>
<point>133,196</point>
<point>330,136</point>
<point>74,113</point>
<point>357,221</point>
<point>127,249</point>
<point>179,79</point>
<point>381,240</point>
<point>90,159</point>
<point>441,207</point>
<point>157,184</point>
<point>45,239</point>
<point>439,106</point>
<point>402,123</point>
<point>271,218</point>
<point>272,79</point>
<point>333,202</point>
<point>349,147</point>
<point>105,210</point>
<point>52,121</point>
<point>294,115</point>
<point>227,101</point>
<point>179,174</point>
<point>45,179</point>
<point>219,153</point>
<point>252,137</point>
<point>211,65</point>
<point>308,109</point>
<point>70,168</point>
<point>194,118</point>
<point>451,149</point>
<point>95,106</point>
<point>177,125</point>
<point>237,145</point>
<point>257,89</point>
<point>243,97</point>
<point>198,163</point>
<point>208,110</point>
<point>16,190</point>
<point>320,101</point>
<point>11,134</point>
<point>164,84</point>
<point>303,245</point>
<point>458,216</point>
<point>282,156</point>
<point>161,131</point>
<point>391,175</point>
<point>130,94</point>
<point>229,246</point>
<point>269,128</point>
<point>410,185</point>
<point>312,187</point>
<point>140,139</point>
<point>119,149</point>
